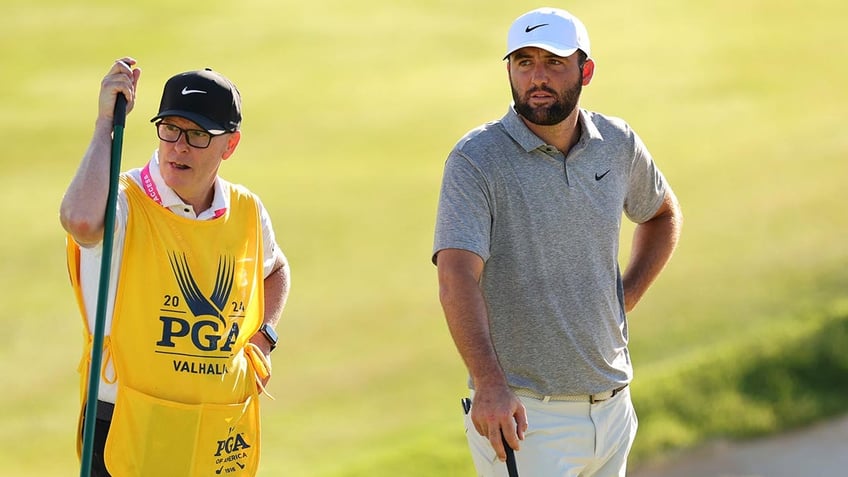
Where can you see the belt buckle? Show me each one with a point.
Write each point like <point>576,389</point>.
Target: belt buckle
<point>612,394</point>
<point>593,400</point>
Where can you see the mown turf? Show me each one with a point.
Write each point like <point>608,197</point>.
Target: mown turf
<point>350,109</point>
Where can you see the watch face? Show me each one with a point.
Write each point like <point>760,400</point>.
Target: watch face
<point>269,333</point>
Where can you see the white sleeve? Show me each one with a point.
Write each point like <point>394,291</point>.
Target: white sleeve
<point>269,240</point>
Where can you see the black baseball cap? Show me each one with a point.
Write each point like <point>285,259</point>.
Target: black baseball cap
<point>205,97</point>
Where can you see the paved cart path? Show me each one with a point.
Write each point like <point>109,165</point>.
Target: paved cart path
<point>820,450</point>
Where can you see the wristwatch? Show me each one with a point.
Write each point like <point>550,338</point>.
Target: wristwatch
<point>270,334</point>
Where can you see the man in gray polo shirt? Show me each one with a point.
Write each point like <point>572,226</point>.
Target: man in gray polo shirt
<point>526,244</point>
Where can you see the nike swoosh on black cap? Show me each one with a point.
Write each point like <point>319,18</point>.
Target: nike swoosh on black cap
<point>217,110</point>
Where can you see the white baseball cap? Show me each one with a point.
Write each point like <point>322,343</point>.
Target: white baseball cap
<point>550,29</point>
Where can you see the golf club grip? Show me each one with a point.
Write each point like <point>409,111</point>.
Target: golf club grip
<point>511,466</point>
<point>120,116</point>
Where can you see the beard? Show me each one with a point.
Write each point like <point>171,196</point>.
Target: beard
<point>565,102</point>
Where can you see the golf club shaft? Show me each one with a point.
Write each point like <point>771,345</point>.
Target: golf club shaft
<point>118,122</point>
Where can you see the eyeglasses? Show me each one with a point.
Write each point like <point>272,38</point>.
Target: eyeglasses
<point>194,137</point>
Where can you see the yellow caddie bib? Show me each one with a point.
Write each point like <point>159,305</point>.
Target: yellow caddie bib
<point>189,296</point>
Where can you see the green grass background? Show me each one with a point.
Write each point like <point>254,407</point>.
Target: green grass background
<point>350,109</point>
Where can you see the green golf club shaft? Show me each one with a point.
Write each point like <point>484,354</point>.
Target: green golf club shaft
<point>118,122</point>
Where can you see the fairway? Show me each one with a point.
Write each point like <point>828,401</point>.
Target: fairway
<point>350,109</point>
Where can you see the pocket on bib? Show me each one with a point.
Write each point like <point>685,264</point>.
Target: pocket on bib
<point>151,436</point>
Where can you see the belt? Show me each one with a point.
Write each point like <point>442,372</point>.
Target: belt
<point>590,398</point>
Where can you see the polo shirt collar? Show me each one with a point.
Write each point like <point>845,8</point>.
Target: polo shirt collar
<point>170,199</point>
<point>519,131</point>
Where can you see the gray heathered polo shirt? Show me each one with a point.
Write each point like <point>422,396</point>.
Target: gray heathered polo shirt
<point>547,227</point>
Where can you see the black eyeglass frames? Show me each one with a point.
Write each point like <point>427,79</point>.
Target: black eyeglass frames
<point>194,137</point>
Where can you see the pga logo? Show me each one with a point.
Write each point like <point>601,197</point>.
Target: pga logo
<point>205,334</point>
<point>232,445</point>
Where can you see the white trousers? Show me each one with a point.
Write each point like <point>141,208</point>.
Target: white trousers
<point>565,439</point>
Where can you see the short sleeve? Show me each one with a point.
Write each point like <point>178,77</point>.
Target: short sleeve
<point>269,240</point>
<point>464,216</point>
<point>646,185</point>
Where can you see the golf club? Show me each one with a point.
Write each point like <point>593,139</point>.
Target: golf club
<point>118,122</point>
